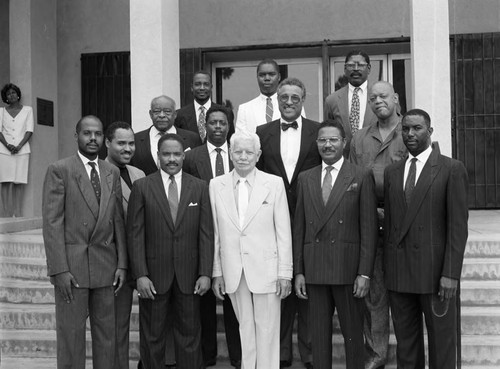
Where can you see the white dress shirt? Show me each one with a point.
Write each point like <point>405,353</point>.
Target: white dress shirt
<point>87,166</point>
<point>421,160</point>
<point>335,171</point>
<point>363,97</point>
<point>213,156</point>
<point>290,147</point>
<point>165,177</point>
<point>154,137</point>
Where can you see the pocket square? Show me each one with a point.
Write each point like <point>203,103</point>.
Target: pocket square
<point>353,187</point>
<point>265,202</point>
<point>193,204</point>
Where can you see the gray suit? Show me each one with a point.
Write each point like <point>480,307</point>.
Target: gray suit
<point>87,239</point>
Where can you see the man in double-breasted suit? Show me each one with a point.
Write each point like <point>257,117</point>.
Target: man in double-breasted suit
<point>192,117</point>
<point>349,104</point>
<point>425,236</point>
<point>84,239</point>
<point>121,148</point>
<point>170,240</point>
<point>206,162</point>
<point>288,148</point>
<point>253,250</point>
<point>334,243</point>
<point>162,113</point>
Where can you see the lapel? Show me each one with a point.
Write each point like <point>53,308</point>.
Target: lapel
<point>398,188</point>
<point>203,164</point>
<point>314,189</point>
<point>83,182</point>
<point>106,187</point>
<point>344,179</point>
<point>424,182</point>
<point>226,195</point>
<point>158,191</point>
<point>125,190</point>
<point>186,190</point>
<point>257,197</point>
<point>274,140</point>
<point>344,103</point>
<point>307,137</point>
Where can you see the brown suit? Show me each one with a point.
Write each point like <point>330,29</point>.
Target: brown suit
<point>333,244</point>
<point>87,239</point>
<point>173,256</point>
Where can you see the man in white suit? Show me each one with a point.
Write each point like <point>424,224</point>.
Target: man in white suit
<point>253,250</point>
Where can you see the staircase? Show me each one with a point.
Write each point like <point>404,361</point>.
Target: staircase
<point>27,318</point>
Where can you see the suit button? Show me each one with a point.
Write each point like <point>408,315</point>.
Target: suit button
<point>341,221</point>
<point>400,246</point>
<point>333,241</point>
<point>420,228</point>
<point>317,240</point>
<point>311,222</point>
<point>105,242</point>
<point>85,223</point>
<point>415,246</point>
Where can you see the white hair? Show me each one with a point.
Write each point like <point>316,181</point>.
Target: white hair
<point>244,135</point>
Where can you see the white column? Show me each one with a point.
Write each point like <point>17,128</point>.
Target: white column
<point>154,55</point>
<point>430,50</point>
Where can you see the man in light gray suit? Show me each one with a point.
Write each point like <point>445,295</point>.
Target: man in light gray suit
<point>84,240</point>
<point>120,143</point>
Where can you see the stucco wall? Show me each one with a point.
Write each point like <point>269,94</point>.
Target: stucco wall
<point>84,26</point>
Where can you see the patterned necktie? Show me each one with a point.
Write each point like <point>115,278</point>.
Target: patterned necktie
<point>354,115</point>
<point>173,197</point>
<point>242,200</point>
<point>410,180</point>
<point>201,123</point>
<point>94,180</point>
<point>219,164</point>
<point>326,189</point>
<point>269,110</point>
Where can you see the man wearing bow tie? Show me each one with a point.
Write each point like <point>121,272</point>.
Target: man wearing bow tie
<point>288,148</point>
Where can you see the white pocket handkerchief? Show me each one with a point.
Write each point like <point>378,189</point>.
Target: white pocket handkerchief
<point>193,204</point>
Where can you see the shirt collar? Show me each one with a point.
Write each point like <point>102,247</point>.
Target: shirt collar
<point>250,177</point>
<point>423,156</point>
<point>166,177</point>
<point>86,160</point>
<point>336,165</point>
<point>212,148</point>
<point>207,106</point>
<point>273,97</point>
<point>298,120</point>
<point>155,132</point>
<point>363,87</point>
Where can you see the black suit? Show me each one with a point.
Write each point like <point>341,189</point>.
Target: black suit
<point>173,256</point>
<point>142,158</point>
<point>187,118</point>
<point>271,162</point>
<point>197,163</point>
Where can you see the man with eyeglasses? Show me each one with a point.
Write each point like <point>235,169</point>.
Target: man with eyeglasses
<point>334,241</point>
<point>162,113</point>
<point>375,147</point>
<point>288,148</point>
<point>349,104</point>
<point>192,116</point>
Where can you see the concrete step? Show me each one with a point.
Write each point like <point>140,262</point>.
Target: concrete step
<point>23,268</point>
<point>481,269</point>
<point>21,245</point>
<point>476,350</point>
<point>480,293</point>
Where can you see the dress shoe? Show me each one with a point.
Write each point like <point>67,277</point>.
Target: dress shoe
<point>236,364</point>
<point>210,362</point>
<point>285,363</point>
<point>170,366</point>
<point>374,364</point>
<point>309,365</point>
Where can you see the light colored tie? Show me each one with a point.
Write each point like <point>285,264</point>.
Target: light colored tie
<point>242,199</point>
<point>354,115</point>
<point>173,197</point>
<point>410,180</point>
<point>201,123</point>
<point>269,110</point>
<point>326,189</point>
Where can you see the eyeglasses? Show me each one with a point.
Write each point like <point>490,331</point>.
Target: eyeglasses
<point>351,66</point>
<point>295,98</point>
<point>165,111</point>
<point>333,140</point>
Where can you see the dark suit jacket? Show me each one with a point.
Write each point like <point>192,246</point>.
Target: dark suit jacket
<point>332,244</point>
<point>337,108</point>
<point>197,163</point>
<point>160,249</point>
<point>82,236</point>
<point>270,161</point>
<point>426,239</point>
<point>142,158</point>
<point>187,118</point>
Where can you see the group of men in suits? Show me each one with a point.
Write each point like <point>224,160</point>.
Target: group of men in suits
<point>387,227</point>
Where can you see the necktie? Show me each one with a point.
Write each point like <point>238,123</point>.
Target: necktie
<point>269,110</point>
<point>410,180</point>
<point>126,176</point>
<point>219,164</point>
<point>285,126</point>
<point>201,123</point>
<point>94,180</point>
<point>242,200</point>
<point>173,197</point>
<point>354,115</point>
<point>327,184</point>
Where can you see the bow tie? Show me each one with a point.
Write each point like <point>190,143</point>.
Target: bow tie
<point>285,126</point>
